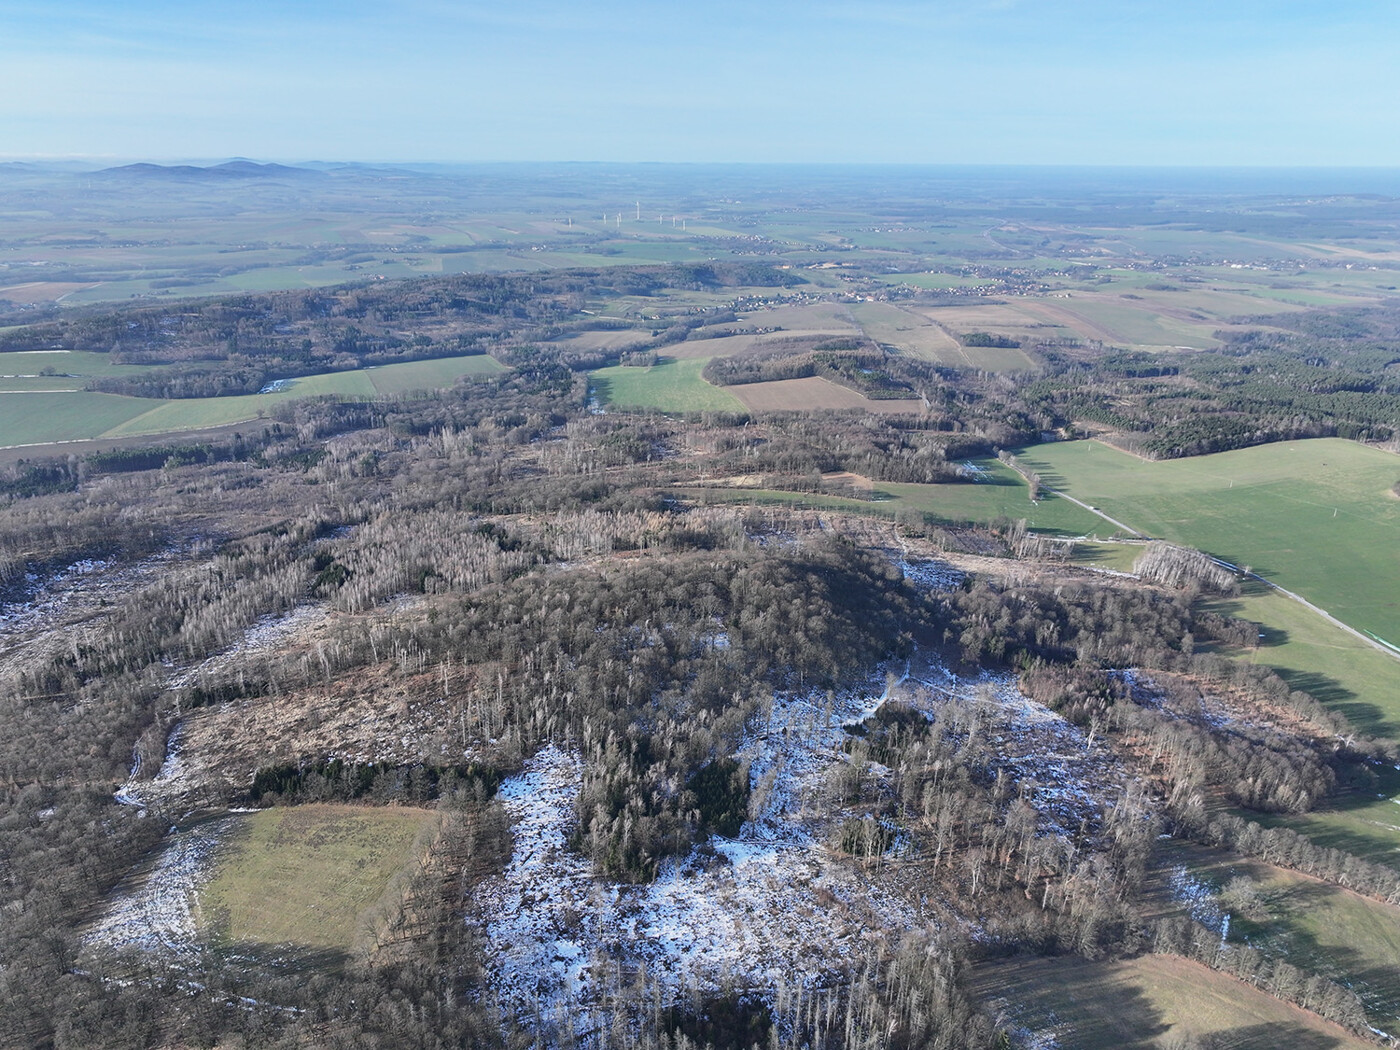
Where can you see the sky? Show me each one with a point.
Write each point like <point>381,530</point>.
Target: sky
<point>1132,82</point>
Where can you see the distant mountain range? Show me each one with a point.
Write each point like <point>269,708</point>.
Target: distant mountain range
<point>234,169</point>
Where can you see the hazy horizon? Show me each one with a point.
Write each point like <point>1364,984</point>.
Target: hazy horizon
<point>894,82</point>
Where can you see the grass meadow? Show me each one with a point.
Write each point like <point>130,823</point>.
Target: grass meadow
<point>1318,926</point>
<point>305,875</point>
<point>39,416</point>
<point>668,386</point>
<point>1316,517</point>
<point>1001,495</point>
<point>1157,1001</point>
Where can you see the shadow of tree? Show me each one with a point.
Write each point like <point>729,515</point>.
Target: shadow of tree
<point>1270,1036</point>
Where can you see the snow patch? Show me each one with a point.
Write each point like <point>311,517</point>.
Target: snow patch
<point>158,911</point>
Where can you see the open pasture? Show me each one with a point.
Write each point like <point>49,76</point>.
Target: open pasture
<point>1002,494</point>
<point>79,363</point>
<point>37,418</point>
<point>1366,823</point>
<point>305,875</point>
<point>670,385</point>
<point>1316,517</point>
<point>1318,657</point>
<point>434,374</point>
<point>1152,1001</point>
<point>1320,927</point>
<point>46,416</point>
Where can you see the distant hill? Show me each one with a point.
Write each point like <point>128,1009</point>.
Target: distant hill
<point>234,169</point>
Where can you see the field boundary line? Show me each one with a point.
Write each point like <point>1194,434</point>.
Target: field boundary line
<point>1374,641</point>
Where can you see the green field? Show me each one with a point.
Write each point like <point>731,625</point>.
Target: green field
<point>304,875</point>
<point>1002,495</point>
<point>1316,517</point>
<point>669,385</point>
<point>46,416</point>
<point>1152,1001</point>
<point>1318,657</point>
<point>436,374</point>
<point>39,418</point>
<point>1366,823</point>
<point>1319,927</point>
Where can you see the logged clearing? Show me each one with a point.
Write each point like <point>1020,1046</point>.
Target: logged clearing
<point>811,393</point>
<point>305,875</point>
<point>1152,1001</point>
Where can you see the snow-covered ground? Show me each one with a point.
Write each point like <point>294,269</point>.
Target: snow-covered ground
<point>1201,900</point>
<point>931,575</point>
<point>1063,772</point>
<point>772,907</point>
<point>264,635</point>
<point>158,910</point>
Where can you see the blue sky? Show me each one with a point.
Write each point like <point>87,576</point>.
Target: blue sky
<point>1176,82</point>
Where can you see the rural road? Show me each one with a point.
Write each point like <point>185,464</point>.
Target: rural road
<point>1374,643</point>
<point>1095,510</point>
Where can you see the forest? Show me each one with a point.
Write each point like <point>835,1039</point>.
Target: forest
<point>558,595</point>
<point>689,738</point>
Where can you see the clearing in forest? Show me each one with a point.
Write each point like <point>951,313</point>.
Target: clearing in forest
<point>307,875</point>
<point>669,385</point>
<point>1000,494</point>
<point>814,392</point>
